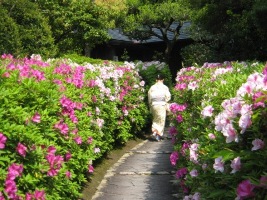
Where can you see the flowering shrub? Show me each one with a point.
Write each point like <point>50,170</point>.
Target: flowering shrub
<point>219,131</point>
<point>57,118</point>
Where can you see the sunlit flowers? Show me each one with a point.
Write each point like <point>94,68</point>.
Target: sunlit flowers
<point>3,140</point>
<point>207,111</point>
<point>36,118</point>
<point>90,169</point>
<point>21,149</point>
<point>14,170</point>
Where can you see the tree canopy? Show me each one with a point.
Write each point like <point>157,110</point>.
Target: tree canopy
<point>143,17</point>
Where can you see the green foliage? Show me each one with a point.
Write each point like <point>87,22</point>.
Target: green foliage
<point>66,115</point>
<point>34,32</point>
<point>196,53</point>
<point>76,25</point>
<point>82,59</point>
<point>9,34</point>
<point>223,87</point>
<point>232,29</point>
<point>144,17</point>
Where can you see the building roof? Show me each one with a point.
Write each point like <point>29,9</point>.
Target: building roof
<point>118,36</point>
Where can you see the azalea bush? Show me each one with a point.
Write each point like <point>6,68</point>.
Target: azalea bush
<point>219,131</point>
<point>58,117</point>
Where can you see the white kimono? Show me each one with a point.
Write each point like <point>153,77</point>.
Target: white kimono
<point>158,96</point>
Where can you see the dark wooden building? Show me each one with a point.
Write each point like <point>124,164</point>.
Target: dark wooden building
<point>146,50</point>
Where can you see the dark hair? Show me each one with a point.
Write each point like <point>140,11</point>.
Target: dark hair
<point>160,77</point>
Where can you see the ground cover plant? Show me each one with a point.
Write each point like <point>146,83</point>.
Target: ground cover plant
<point>58,117</point>
<point>219,131</point>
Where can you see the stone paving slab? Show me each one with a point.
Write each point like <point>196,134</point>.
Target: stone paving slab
<point>145,173</point>
<point>149,187</point>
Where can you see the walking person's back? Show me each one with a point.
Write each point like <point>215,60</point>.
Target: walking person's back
<point>158,97</point>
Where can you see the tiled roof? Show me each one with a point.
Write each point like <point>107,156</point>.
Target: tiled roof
<point>117,35</point>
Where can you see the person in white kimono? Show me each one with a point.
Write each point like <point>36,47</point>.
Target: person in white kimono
<point>158,97</point>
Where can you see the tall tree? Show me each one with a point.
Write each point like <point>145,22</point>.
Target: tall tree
<point>9,34</point>
<point>34,32</point>
<point>233,29</point>
<point>145,16</point>
<point>77,25</point>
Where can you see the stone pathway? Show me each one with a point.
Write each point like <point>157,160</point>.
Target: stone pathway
<point>143,173</point>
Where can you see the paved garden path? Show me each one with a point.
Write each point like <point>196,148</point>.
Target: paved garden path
<point>143,173</point>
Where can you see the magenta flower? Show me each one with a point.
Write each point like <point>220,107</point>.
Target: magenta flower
<point>51,150</point>
<point>173,131</point>
<point>89,140</point>
<point>3,139</point>
<point>181,173</point>
<point>174,107</point>
<point>11,189</point>
<point>90,169</point>
<point>36,118</point>
<point>52,172</point>
<point>181,86</point>
<point>14,170</point>
<point>39,195</point>
<point>179,118</point>
<point>68,174</point>
<point>174,157</point>
<point>78,140</point>
<point>67,156</point>
<point>245,189</point>
<point>21,149</point>
<point>1,196</point>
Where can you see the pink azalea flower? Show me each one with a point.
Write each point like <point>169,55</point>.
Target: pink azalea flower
<point>11,189</point>
<point>207,111</point>
<point>218,165</point>
<point>236,165</point>
<point>51,150</point>
<point>173,131</point>
<point>245,189</point>
<point>181,173</point>
<point>179,118</point>
<point>211,136</point>
<point>90,169</point>
<point>21,149</point>
<point>40,195</point>
<point>68,174</point>
<point>193,173</point>
<point>96,150</point>
<point>89,140</point>
<point>67,156</point>
<point>174,157</point>
<point>257,144</point>
<point>3,139</point>
<point>78,140</point>
<point>36,118</point>
<point>14,170</point>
